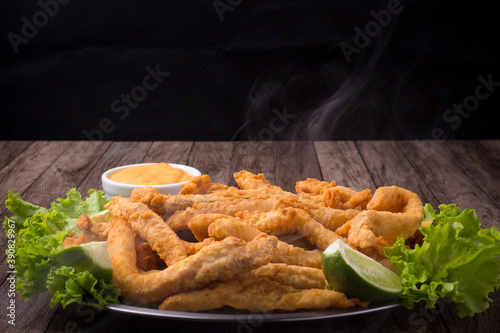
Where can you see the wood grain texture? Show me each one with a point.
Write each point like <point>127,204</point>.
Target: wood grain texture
<point>295,161</point>
<point>388,165</point>
<point>26,167</point>
<point>10,149</point>
<point>253,156</point>
<point>169,152</point>
<point>117,154</point>
<point>447,179</point>
<point>213,158</point>
<point>342,162</point>
<point>481,161</point>
<point>31,316</point>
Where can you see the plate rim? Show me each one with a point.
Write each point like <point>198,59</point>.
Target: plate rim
<point>263,317</point>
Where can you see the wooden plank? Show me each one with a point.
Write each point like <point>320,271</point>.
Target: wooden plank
<point>342,162</point>
<point>213,158</point>
<point>481,160</point>
<point>450,183</point>
<point>388,165</point>
<point>10,149</point>
<point>169,152</point>
<point>20,173</point>
<point>253,156</point>
<point>119,153</point>
<point>67,172</point>
<point>31,316</point>
<point>295,161</point>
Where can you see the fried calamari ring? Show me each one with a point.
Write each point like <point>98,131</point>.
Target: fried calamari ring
<point>393,212</point>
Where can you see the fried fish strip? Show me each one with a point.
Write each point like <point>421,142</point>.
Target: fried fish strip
<point>151,227</point>
<point>222,228</point>
<point>289,220</point>
<point>257,295</point>
<point>393,212</point>
<point>163,204</point>
<point>330,218</point>
<point>299,277</point>
<point>220,261</point>
<point>313,186</point>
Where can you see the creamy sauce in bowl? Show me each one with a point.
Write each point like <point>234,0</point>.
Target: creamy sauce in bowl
<point>150,174</point>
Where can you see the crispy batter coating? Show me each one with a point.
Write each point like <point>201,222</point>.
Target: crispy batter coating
<point>222,228</point>
<point>91,232</point>
<point>218,261</point>
<point>289,220</point>
<point>257,295</point>
<point>299,277</point>
<point>393,212</point>
<point>151,227</point>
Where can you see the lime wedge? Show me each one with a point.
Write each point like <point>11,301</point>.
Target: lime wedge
<point>357,275</point>
<point>92,257</point>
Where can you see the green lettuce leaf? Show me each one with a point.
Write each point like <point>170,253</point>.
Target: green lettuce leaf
<point>68,287</point>
<point>21,210</point>
<point>73,206</point>
<point>457,260</point>
<point>39,235</point>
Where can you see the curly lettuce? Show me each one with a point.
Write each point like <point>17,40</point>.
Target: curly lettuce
<point>39,233</point>
<point>457,260</point>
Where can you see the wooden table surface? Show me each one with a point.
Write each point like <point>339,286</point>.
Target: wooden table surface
<point>463,172</point>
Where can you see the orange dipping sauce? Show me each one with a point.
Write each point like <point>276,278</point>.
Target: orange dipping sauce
<point>150,174</point>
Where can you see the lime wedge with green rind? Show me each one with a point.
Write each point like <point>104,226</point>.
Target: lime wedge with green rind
<point>92,257</point>
<point>357,275</point>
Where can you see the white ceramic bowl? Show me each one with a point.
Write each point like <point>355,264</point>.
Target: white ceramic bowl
<point>112,188</point>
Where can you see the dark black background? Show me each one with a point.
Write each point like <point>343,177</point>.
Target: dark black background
<point>231,74</point>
